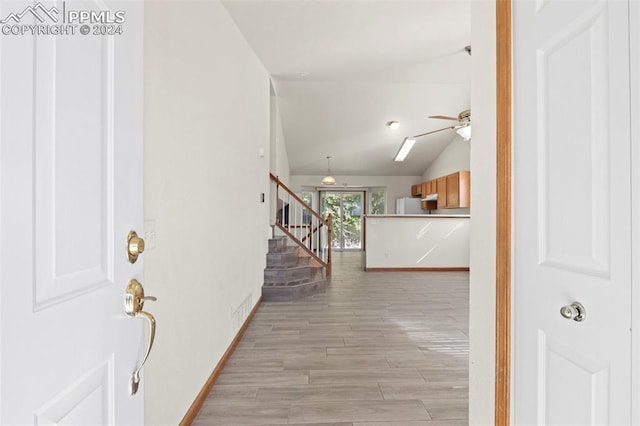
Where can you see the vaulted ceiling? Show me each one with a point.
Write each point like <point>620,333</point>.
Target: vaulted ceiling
<point>343,69</point>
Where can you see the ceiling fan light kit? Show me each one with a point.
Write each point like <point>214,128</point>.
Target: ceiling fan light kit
<point>464,132</point>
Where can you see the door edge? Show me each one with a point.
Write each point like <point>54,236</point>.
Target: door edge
<point>503,213</point>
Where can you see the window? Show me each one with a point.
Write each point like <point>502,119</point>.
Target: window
<point>307,197</point>
<point>377,201</point>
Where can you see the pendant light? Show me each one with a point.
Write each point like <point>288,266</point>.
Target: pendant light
<point>328,179</point>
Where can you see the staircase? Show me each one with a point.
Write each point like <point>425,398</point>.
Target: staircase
<point>299,257</point>
<point>291,273</point>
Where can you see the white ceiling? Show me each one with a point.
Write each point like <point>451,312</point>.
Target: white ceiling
<point>342,69</point>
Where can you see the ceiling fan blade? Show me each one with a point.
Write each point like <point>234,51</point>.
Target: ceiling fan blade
<point>444,117</point>
<point>436,131</point>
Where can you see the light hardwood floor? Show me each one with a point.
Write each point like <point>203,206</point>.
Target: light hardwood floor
<point>379,348</point>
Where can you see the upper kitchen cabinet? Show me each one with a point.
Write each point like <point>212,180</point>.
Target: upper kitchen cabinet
<point>453,190</point>
<point>458,191</point>
<point>426,188</point>
<point>432,187</point>
<point>441,189</point>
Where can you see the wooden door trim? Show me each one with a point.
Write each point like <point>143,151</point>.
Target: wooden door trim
<point>503,212</point>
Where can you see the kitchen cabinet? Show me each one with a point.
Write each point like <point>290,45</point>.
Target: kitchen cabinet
<point>457,190</point>
<point>441,189</point>
<point>453,191</point>
<point>429,205</point>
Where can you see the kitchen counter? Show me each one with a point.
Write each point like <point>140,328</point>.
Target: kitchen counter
<point>417,242</point>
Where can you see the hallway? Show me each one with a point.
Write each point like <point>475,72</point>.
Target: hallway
<point>377,349</point>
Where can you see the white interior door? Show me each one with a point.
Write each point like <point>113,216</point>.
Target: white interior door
<point>71,190</point>
<point>572,220</point>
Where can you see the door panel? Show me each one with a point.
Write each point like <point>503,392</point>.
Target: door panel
<point>562,364</point>
<point>74,198</point>
<point>572,202</point>
<point>572,66</point>
<point>87,401</point>
<point>71,190</point>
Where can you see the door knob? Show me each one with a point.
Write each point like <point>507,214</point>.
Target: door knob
<point>133,304</point>
<point>574,311</point>
<point>135,246</point>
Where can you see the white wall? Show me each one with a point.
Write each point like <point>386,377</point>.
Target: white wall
<point>454,158</point>
<point>206,118</point>
<point>280,160</point>
<point>395,186</point>
<point>483,213</point>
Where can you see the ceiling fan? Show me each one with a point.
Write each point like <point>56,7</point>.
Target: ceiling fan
<point>463,127</point>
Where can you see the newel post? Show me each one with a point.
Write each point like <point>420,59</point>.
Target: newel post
<point>277,181</point>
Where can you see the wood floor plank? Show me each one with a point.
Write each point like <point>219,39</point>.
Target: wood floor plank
<point>387,375</point>
<point>256,379</point>
<point>425,391</point>
<point>323,362</point>
<point>450,409</point>
<point>330,392</point>
<point>334,411</point>
<point>421,423</point>
<point>242,413</point>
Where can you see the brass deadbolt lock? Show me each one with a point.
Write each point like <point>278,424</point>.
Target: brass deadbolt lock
<point>135,246</point>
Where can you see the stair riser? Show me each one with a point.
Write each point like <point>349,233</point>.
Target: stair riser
<point>278,245</point>
<point>282,260</point>
<point>289,293</point>
<point>288,275</point>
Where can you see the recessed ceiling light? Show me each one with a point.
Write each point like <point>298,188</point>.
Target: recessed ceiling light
<point>393,124</point>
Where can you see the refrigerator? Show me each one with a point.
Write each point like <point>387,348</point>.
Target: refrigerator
<point>409,205</point>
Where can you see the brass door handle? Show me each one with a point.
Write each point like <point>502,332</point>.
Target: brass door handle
<point>133,304</point>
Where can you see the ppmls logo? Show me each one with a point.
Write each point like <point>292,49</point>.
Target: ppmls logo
<point>39,7</point>
<point>70,22</point>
